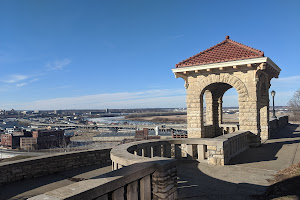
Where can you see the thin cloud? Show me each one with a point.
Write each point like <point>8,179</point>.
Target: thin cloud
<point>15,78</point>
<point>58,64</point>
<point>26,83</point>
<point>142,99</point>
<point>21,84</point>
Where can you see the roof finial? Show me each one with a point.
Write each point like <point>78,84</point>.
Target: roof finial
<point>227,37</point>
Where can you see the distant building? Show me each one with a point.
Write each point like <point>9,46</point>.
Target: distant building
<point>45,139</point>
<point>15,130</point>
<point>24,112</point>
<point>143,135</point>
<point>12,140</point>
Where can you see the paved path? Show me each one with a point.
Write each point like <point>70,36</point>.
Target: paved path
<point>32,187</point>
<point>248,173</point>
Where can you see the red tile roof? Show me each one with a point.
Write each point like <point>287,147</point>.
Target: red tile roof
<point>228,50</point>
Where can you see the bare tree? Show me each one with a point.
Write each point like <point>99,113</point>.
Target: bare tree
<point>294,104</point>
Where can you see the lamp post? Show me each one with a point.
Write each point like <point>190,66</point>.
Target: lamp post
<point>273,95</point>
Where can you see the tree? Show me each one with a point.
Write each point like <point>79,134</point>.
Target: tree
<point>294,104</point>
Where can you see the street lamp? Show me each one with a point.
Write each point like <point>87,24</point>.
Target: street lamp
<point>273,95</point>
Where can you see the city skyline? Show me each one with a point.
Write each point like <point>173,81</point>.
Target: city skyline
<point>78,55</point>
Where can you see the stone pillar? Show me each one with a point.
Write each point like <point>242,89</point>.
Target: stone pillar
<point>189,151</point>
<point>156,151</point>
<point>145,188</point>
<point>164,182</point>
<point>139,152</point>
<point>220,110</point>
<point>209,107</point>
<point>118,194</point>
<point>177,151</point>
<point>146,152</point>
<point>195,125</point>
<point>215,112</point>
<point>167,150</point>
<point>201,151</point>
<point>132,191</point>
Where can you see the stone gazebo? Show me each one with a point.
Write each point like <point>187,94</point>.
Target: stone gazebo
<point>212,72</point>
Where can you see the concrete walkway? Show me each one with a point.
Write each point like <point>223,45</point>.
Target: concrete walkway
<point>248,173</point>
<point>32,187</point>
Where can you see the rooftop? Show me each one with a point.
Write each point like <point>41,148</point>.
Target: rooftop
<point>227,50</point>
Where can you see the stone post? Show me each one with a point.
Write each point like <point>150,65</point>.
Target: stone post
<point>220,109</point>
<point>164,181</point>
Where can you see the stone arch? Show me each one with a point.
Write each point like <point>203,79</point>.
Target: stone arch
<point>224,78</point>
<point>218,84</point>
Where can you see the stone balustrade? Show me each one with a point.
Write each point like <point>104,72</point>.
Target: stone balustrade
<point>148,180</point>
<point>45,165</point>
<point>229,128</point>
<point>215,151</point>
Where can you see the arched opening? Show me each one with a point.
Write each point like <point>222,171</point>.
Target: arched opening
<point>211,101</point>
<point>230,107</point>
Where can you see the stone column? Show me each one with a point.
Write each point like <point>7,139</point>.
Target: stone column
<point>164,182</point>
<point>215,117</point>
<point>220,110</point>
<point>195,124</point>
<point>145,188</point>
<point>209,107</point>
<point>178,151</point>
<point>201,151</point>
<point>132,191</point>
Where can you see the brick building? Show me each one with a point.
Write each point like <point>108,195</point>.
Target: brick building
<point>45,139</point>
<point>12,140</point>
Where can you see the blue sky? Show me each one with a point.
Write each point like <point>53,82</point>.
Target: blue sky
<point>119,54</point>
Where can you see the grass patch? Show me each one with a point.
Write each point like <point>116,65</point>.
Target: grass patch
<point>286,185</point>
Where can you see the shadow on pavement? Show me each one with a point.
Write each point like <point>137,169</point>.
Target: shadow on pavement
<point>194,184</point>
<point>287,132</point>
<point>268,150</point>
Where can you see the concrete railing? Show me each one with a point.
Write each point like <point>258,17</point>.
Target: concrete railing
<point>276,124</point>
<point>44,165</point>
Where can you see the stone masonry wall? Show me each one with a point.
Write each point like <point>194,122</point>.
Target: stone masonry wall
<point>44,165</point>
<point>276,124</point>
<point>164,183</point>
<point>243,80</point>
